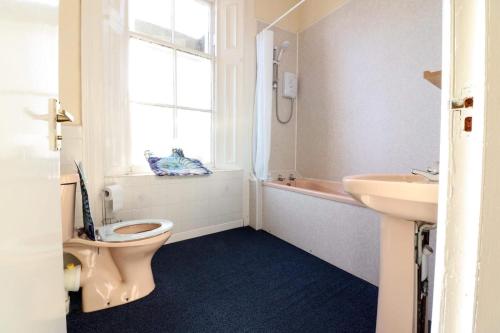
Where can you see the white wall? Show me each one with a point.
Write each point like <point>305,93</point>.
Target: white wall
<point>71,148</point>
<point>196,205</point>
<point>363,104</point>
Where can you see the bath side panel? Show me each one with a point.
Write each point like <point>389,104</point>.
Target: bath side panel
<point>344,235</point>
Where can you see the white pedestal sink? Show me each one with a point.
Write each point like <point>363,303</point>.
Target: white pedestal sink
<point>405,203</point>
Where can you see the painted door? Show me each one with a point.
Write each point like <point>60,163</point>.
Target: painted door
<point>462,156</point>
<point>31,275</point>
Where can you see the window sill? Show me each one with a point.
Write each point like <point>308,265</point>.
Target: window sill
<point>219,171</point>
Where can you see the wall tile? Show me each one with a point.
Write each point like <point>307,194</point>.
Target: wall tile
<point>190,203</point>
<point>363,103</point>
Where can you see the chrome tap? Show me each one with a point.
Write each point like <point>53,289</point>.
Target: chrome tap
<point>281,178</point>
<point>291,177</point>
<point>432,172</point>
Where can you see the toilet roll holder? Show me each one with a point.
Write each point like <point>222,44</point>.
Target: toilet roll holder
<point>105,206</point>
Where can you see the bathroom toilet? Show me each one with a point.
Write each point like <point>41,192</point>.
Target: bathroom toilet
<point>116,269</point>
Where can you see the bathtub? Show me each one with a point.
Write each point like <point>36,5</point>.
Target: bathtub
<point>319,217</point>
<point>325,189</point>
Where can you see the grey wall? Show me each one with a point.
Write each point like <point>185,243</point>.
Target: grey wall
<point>363,104</point>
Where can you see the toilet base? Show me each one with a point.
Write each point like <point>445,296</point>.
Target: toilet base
<point>114,274</point>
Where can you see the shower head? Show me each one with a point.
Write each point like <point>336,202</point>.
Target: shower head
<point>283,46</point>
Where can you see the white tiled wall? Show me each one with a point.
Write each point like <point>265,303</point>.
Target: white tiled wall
<point>192,203</point>
<point>196,205</point>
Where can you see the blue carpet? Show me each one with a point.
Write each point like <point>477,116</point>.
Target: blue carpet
<point>240,281</point>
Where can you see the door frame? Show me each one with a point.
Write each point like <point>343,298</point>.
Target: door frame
<point>466,288</point>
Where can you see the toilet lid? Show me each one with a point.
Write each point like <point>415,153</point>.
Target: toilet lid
<point>108,233</point>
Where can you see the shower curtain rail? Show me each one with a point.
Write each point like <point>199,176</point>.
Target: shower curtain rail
<point>284,15</point>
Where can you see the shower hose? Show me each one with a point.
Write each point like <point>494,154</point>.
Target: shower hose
<point>277,111</point>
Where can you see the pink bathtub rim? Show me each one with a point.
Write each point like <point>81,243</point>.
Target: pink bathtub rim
<point>324,189</point>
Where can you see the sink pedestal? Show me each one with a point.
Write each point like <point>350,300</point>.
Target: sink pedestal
<point>398,271</point>
<point>404,250</point>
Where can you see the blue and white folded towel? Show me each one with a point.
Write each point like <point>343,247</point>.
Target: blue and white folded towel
<point>175,165</point>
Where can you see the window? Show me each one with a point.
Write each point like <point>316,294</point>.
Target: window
<point>171,77</point>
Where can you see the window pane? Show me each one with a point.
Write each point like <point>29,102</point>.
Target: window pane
<point>192,24</point>
<point>151,17</point>
<point>194,132</point>
<point>151,129</point>
<point>151,75</point>
<point>194,81</point>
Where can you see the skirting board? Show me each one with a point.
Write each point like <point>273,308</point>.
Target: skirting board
<point>180,236</point>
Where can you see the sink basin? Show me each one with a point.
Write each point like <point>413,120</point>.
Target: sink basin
<point>407,205</point>
<point>407,197</point>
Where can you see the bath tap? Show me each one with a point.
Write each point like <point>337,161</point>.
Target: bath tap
<point>291,177</point>
<point>432,173</point>
<point>281,178</point>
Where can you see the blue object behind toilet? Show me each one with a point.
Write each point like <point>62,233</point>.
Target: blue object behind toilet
<point>88,223</point>
<point>176,165</point>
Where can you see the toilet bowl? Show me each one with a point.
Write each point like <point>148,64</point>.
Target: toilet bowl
<point>116,269</point>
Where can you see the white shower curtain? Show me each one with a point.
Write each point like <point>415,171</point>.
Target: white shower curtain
<point>263,104</point>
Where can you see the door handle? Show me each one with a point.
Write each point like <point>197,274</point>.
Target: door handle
<point>63,116</point>
<point>57,115</point>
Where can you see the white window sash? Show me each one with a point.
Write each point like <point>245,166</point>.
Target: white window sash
<point>143,168</point>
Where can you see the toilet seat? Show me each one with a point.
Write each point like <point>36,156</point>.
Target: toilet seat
<point>108,233</point>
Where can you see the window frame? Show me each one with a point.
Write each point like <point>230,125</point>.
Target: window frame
<point>211,56</point>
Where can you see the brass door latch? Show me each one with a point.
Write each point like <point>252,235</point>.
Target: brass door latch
<point>57,115</point>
